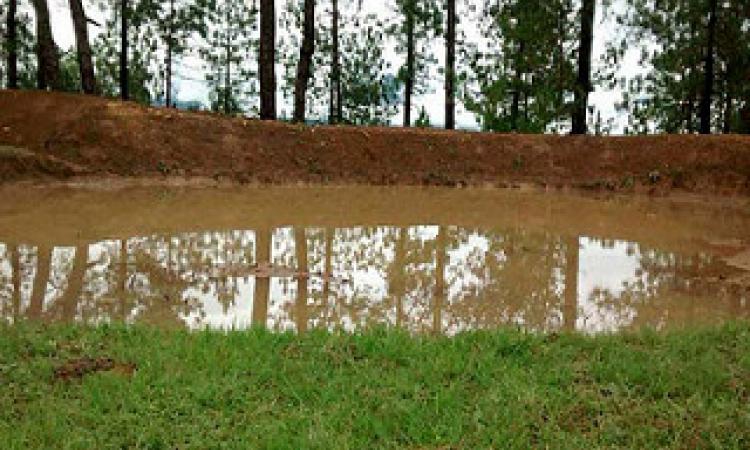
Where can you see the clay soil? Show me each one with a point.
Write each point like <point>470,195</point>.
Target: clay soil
<point>50,136</point>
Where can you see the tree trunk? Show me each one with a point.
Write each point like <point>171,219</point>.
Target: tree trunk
<point>440,288</point>
<point>228,68</point>
<point>331,103</point>
<point>691,95</point>
<point>48,74</point>
<point>570,308</point>
<point>397,277</point>
<point>526,106</point>
<point>85,63</point>
<point>228,82</point>
<point>122,281</point>
<point>72,293</point>
<point>409,88</point>
<point>124,82</point>
<point>305,61</point>
<point>12,45</point>
<point>328,270</point>
<point>170,45</point>
<point>728,105</point>
<point>339,91</point>
<point>583,84</point>
<point>41,279</point>
<point>514,107</point>
<point>708,75</point>
<point>15,264</point>
<point>516,99</point>
<point>262,284</point>
<point>301,312</point>
<point>335,100</point>
<point>450,67</point>
<point>726,126</point>
<point>267,60</point>
<point>745,118</point>
<point>561,24</point>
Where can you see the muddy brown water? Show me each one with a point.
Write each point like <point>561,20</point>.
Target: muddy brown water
<point>425,259</point>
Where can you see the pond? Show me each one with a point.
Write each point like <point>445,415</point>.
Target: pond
<point>425,259</point>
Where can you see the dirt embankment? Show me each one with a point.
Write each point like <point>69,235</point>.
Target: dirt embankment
<point>61,136</point>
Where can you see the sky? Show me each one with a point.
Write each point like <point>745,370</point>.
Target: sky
<point>189,88</point>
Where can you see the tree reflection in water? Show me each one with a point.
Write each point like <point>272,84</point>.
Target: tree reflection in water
<point>426,279</point>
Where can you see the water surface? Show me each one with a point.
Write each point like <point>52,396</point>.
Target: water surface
<point>428,260</point>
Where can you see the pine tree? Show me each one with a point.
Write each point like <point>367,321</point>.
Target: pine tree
<point>423,120</point>
<point>84,56</point>
<point>520,82</point>
<point>48,75</point>
<point>126,69</point>
<point>708,70</point>
<point>176,22</point>
<point>416,22</point>
<point>230,52</point>
<point>267,60</point>
<point>361,92</point>
<point>335,111</point>
<point>18,64</point>
<point>450,65</point>
<point>369,93</point>
<point>292,22</point>
<point>124,38</point>
<point>583,83</point>
<point>11,44</point>
<point>733,46</point>
<point>304,67</point>
<point>696,51</point>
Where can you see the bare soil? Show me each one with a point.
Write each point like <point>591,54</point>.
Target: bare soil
<point>75,369</point>
<point>52,136</point>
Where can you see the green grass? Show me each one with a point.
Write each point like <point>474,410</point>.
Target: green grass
<point>380,389</point>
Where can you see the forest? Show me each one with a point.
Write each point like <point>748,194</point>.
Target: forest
<point>524,66</point>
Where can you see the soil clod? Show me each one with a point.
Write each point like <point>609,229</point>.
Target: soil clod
<point>76,369</point>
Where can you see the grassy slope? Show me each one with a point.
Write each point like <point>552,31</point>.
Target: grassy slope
<point>380,389</point>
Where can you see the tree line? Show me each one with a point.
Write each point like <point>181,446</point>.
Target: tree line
<point>517,65</point>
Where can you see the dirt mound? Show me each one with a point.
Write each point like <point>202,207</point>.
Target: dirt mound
<point>51,135</point>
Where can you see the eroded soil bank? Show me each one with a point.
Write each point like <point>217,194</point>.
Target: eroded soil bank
<point>62,136</point>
